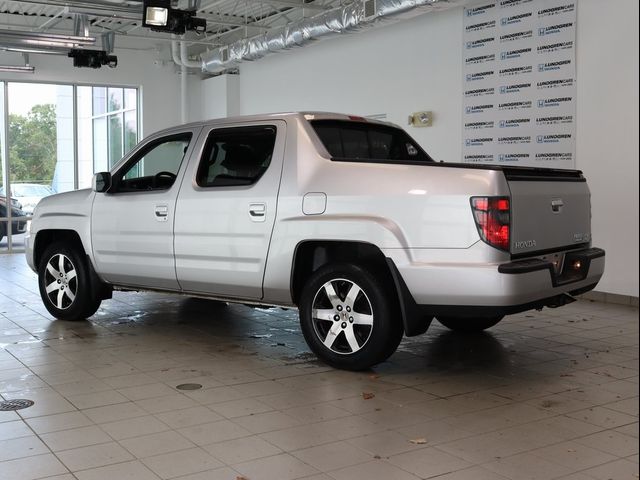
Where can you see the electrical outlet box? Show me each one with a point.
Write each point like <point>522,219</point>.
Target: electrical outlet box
<point>421,119</point>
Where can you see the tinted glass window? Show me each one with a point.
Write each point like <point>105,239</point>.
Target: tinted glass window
<point>345,140</point>
<point>155,167</point>
<point>236,156</point>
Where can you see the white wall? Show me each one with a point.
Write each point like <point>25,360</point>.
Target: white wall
<point>396,69</point>
<point>160,86</point>
<point>416,65</point>
<point>607,135</point>
<point>221,97</point>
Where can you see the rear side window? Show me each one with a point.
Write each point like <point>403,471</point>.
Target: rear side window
<point>348,140</point>
<point>236,156</point>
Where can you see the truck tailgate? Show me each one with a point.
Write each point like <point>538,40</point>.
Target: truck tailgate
<point>548,212</point>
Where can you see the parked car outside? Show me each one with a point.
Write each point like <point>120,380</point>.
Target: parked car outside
<point>19,224</point>
<point>28,194</point>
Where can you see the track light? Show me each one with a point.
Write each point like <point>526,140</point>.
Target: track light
<point>92,58</point>
<point>160,17</point>
<point>17,68</point>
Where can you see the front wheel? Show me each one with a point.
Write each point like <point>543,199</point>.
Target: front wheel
<point>347,318</point>
<point>471,324</point>
<point>65,283</point>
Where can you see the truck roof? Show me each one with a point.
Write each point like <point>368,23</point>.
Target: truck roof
<point>307,115</point>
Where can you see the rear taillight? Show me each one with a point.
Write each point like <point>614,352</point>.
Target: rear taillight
<point>493,219</point>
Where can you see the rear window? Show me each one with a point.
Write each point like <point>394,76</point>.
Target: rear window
<point>346,140</point>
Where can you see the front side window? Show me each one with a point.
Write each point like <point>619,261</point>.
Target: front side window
<point>349,140</point>
<point>155,167</point>
<point>236,156</point>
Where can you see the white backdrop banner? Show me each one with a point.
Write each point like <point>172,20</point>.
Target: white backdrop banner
<point>519,83</point>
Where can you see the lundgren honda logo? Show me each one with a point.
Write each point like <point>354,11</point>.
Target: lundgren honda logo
<point>556,120</point>
<point>511,37</point>
<point>479,92</point>
<point>553,156</point>
<point>554,47</point>
<point>514,140</point>
<point>513,3</point>
<point>517,88</point>
<point>549,12</point>
<point>513,71</point>
<point>477,27</point>
<point>480,59</point>
<point>481,42</point>
<point>514,19</point>
<point>478,109</point>
<point>552,66</point>
<point>513,157</point>
<point>477,142</point>
<point>564,82</point>
<point>514,105</point>
<point>514,122</point>
<point>478,125</point>
<point>553,29</point>
<point>472,77</point>
<point>553,102</point>
<point>555,138</point>
<point>508,55</point>
<point>473,12</point>
<point>478,158</point>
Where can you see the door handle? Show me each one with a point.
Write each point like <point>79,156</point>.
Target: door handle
<point>162,213</point>
<point>258,211</point>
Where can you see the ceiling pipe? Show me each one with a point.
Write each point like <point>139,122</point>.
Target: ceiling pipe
<point>356,15</point>
<point>184,57</point>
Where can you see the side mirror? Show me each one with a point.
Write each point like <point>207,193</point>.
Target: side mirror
<point>101,182</point>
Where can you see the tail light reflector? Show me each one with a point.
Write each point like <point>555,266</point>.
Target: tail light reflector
<point>493,220</point>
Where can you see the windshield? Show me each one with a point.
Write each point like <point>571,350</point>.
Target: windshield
<point>348,140</point>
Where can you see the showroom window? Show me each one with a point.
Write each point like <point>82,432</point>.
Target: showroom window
<point>53,137</point>
<point>107,128</point>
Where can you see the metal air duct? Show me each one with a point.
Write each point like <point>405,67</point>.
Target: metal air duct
<point>356,15</point>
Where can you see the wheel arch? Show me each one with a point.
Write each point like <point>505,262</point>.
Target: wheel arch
<point>44,238</point>
<point>47,237</point>
<point>310,255</point>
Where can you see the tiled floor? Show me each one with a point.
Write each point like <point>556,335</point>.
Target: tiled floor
<point>544,395</point>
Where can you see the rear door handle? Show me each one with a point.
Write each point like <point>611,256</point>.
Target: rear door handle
<point>258,211</point>
<point>162,213</point>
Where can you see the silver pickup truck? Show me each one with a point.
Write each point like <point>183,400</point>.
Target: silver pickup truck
<point>345,218</point>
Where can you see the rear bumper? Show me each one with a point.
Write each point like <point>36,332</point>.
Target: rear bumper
<point>477,289</point>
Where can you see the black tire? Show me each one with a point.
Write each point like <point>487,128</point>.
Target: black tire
<point>471,324</point>
<point>369,319</point>
<point>70,296</point>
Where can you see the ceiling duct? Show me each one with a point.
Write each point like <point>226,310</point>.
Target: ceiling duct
<point>357,15</point>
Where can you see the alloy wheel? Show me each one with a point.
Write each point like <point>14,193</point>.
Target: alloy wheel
<point>342,316</point>
<point>61,281</point>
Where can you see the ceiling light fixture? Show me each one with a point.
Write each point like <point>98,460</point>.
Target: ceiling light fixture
<point>160,17</point>
<point>43,40</point>
<point>17,68</point>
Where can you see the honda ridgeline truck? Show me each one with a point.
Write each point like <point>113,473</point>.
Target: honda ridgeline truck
<point>345,218</point>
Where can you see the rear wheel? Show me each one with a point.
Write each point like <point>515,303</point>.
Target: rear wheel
<point>65,283</point>
<point>347,318</point>
<point>471,324</point>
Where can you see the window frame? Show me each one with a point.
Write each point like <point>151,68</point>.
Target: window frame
<point>221,131</point>
<point>143,149</point>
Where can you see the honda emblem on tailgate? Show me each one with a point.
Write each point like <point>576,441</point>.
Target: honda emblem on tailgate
<point>556,205</point>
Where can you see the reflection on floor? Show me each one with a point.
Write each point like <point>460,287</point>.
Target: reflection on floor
<point>544,395</point>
